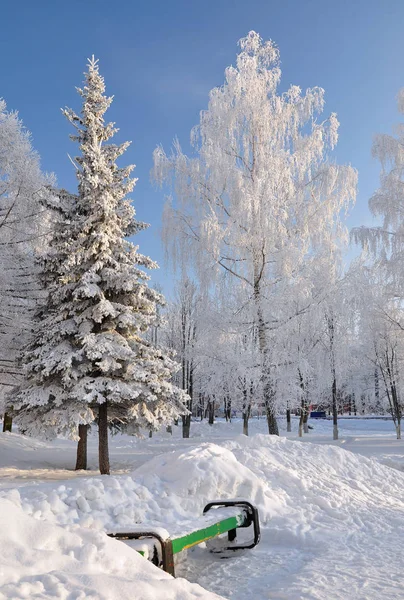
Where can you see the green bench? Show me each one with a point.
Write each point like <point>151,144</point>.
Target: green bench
<point>219,517</point>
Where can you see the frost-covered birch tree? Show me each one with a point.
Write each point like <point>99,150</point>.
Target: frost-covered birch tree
<point>385,244</point>
<point>23,225</point>
<point>258,197</point>
<point>382,345</point>
<point>386,241</point>
<point>90,359</point>
<point>187,307</point>
<point>388,356</point>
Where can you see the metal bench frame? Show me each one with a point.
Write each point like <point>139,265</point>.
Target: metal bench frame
<point>169,546</point>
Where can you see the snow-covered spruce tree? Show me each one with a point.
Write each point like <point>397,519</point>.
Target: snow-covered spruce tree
<point>90,359</point>
<point>258,198</point>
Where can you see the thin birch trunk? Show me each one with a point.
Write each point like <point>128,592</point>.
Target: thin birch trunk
<point>288,421</point>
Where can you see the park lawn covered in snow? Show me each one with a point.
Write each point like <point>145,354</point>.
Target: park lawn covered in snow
<point>331,519</point>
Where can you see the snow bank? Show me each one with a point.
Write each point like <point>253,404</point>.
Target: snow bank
<point>168,491</point>
<point>331,525</point>
<point>303,491</point>
<point>43,560</point>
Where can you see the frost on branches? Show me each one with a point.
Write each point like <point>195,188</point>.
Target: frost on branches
<point>22,228</point>
<point>258,201</point>
<point>90,359</point>
<point>386,242</point>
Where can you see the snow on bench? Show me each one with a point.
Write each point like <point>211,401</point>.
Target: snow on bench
<point>219,517</point>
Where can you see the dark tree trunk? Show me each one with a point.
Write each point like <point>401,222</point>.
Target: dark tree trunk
<point>363,400</point>
<point>81,459</point>
<point>246,409</point>
<point>334,408</point>
<point>7,422</point>
<point>246,418</point>
<point>271,419</point>
<point>303,406</point>
<point>186,419</point>
<point>288,420</point>
<point>306,418</point>
<point>103,452</point>
<point>397,410</point>
<point>269,401</point>
<point>186,426</point>
<point>201,406</point>
<point>377,392</point>
<point>331,330</point>
<point>227,409</point>
<point>211,409</point>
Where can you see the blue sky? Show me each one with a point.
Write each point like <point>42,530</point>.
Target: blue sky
<point>161,58</point>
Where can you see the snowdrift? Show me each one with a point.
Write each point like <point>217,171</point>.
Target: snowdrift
<point>332,524</point>
<point>43,560</point>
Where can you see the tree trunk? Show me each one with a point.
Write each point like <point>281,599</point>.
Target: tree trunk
<point>211,408</point>
<point>269,395</point>
<point>103,452</point>
<point>334,409</point>
<point>169,429</point>
<point>81,458</point>
<point>363,400</point>
<point>396,406</point>
<point>246,417</point>
<point>271,419</point>
<point>246,409</point>
<point>186,419</point>
<point>377,393</point>
<point>331,330</point>
<point>227,409</point>
<point>7,422</point>
<point>303,407</point>
<point>245,423</point>
<point>288,421</point>
<point>186,426</point>
<point>306,421</point>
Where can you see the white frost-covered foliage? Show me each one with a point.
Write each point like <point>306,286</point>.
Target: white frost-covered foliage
<point>22,225</point>
<point>383,317</point>
<point>89,345</point>
<point>386,242</point>
<point>258,202</point>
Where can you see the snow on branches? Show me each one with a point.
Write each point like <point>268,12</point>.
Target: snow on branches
<point>90,351</point>
<point>258,202</point>
<point>22,228</point>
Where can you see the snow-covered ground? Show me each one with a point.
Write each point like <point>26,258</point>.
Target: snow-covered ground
<point>331,519</point>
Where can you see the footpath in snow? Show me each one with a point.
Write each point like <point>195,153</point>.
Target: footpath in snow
<point>331,519</point>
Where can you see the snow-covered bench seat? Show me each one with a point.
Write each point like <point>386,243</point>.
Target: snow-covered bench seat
<point>222,516</point>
